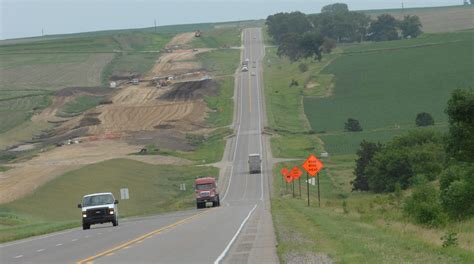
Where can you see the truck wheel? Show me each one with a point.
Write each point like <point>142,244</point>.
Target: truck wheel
<point>85,226</point>
<point>218,201</point>
<point>198,205</point>
<point>115,222</point>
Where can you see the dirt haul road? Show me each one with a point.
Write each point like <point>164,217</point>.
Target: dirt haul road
<point>135,109</point>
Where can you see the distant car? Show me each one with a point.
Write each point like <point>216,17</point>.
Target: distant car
<point>245,69</point>
<point>99,208</point>
<point>255,163</point>
<point>135,81</point>
<point>195,50</point>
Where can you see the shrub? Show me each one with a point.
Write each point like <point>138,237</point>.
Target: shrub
<point>352,125</point>
<point>424,119</point>
<point>424,206</point>
<point>457,191</point>
<point>303,67</point>
<point>450,239</point>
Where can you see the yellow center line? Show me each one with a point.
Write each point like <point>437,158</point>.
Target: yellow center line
<point>138,239</point>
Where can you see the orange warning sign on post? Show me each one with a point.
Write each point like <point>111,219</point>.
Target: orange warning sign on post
<point>284,172</point>
<point>312,165</point>
<point>288,178</point>
<point>296,173</point>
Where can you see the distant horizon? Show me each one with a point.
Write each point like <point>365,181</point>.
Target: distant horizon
<point>88,20</point>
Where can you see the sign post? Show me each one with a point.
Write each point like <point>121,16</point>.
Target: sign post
<point>284,172</point>
<point>288,179</point>
<point>312,166</point>
<point>296,174</point>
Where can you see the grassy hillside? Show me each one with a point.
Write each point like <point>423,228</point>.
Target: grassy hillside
<point>356,228</point>
<point>385,86</point>
<point>153,189</point>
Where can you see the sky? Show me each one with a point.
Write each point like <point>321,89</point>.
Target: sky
<point>28,18</point>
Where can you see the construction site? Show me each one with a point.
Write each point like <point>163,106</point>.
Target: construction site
<point>159,108</point>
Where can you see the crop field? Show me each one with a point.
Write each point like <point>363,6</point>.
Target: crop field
<point>387,89</point>
<point>435,19</point>
<point>154,189</point>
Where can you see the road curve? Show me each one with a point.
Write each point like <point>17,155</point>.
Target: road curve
<point>240,231</point>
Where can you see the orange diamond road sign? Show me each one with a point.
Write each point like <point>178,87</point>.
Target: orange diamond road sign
<point>296,173</point>
<point>288,178</point>
<point>284,172</point>
<point>312,165</point>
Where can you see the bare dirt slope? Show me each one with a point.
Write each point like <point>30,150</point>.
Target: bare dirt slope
<point>137,115</point>
<point>27,176</point>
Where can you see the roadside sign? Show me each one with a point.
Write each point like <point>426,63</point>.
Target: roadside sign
<point>296,173</point>
<point>311,181</point>
<point>288,178</point>
<point>284,171</point>
<point>312,165</point>
<point>124,194</point>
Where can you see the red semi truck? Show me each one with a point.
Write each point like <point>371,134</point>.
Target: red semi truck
<point>206,192</point>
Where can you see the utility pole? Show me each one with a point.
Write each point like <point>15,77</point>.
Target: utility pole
<point>155,25</point>
<point>42,32</point>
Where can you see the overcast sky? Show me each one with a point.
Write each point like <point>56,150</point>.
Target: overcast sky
<point>25,18</point>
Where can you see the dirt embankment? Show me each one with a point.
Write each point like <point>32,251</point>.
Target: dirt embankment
<point>134,116</point>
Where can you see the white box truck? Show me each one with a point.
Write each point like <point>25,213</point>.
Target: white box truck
<point>255,163</point>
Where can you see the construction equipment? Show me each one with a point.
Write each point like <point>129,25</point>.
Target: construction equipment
<point>197,33</point>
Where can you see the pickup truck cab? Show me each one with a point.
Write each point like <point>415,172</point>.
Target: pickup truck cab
<point>98,208</point>
<point>206,192</point>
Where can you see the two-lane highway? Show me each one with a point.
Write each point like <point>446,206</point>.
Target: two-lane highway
<point>240,231</point>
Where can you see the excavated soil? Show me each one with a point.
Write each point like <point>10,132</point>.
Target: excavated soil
<point>136,115</point>
<point>191,91</point>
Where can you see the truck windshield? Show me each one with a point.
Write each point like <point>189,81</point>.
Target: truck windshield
<point>98,200</point>
<point>206,186</point>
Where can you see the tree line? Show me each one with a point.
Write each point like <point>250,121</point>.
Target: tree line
<point>421,158</point>
<point>302,36</point>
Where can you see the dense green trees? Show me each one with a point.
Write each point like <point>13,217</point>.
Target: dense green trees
<point>410,26</point>
<point>418,158</point>
<point>302,36</point>
<point>424,119</point>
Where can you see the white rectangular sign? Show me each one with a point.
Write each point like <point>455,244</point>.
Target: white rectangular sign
<point>124,194</point>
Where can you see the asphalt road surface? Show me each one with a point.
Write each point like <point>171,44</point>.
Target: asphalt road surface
<point>240,231</point>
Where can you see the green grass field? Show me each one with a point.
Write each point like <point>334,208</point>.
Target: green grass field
<point>386,89</point>
<point>79,105</point>
<point>283,103</point>
<point>153,189</point>
<point>218,38</point>
<point>368,229</point>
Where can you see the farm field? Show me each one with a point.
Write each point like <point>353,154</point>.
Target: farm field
<point>385,90</point>
<point>435,19</point>
<point>155,189</point>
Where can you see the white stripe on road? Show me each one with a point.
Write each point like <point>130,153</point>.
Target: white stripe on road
<point>36,238</point>
<point>39,250</point>
<point>19,256</point>
<point>222,255</point>
<point>59,244</point>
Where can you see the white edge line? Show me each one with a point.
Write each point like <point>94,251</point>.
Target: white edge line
<point>37,238</point>
<point>260,125</point>
<point>222,255</point>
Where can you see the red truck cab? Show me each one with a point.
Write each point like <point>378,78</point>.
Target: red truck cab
<point>206,192</point>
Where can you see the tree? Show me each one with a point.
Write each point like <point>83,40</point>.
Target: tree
<point>457,190</point>
<point>282,24</point>
<point>424,206</point>
<point>419,153</point>
<point>335,8</point>
<point>352,125</point>
<point>424,119</point>
<point>460,110</point>
<point>384,28</point>
<point>365,154</point>
<point>410,26</point>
